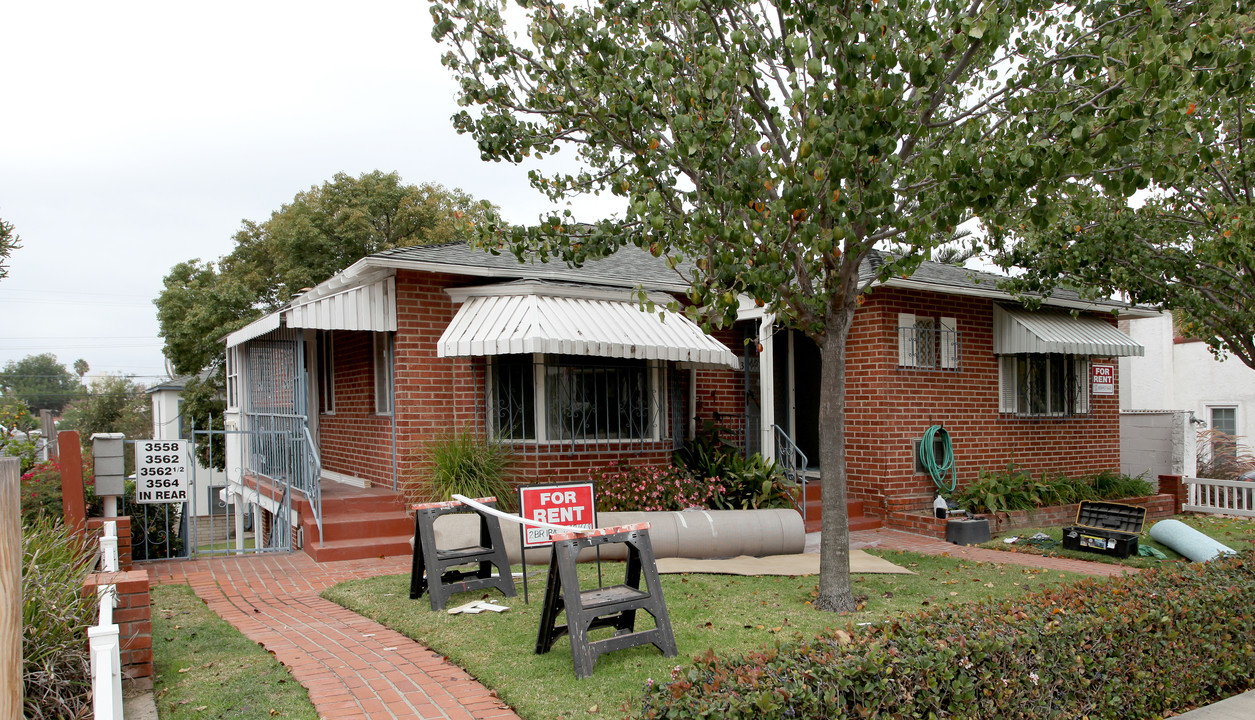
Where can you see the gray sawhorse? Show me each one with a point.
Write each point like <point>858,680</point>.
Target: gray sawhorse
<point>614,606</point>
<point>431,570</point>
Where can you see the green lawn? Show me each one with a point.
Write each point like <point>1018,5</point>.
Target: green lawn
<point>206,669</point>
<point>1237,533</point>
<point>727,614</point>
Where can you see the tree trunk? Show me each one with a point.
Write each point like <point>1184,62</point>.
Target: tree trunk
<point>835,591</point>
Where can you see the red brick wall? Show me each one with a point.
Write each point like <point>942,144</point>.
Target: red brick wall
<point>721,391</point>
<point>889,406</point>
<point>355,441</point>
<point>432,394</point>
<point>564,465</point>
<point>133,615</point>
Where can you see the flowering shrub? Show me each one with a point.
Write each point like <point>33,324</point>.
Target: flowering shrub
<point>624,488</point>
<point>1131,647</point>
<point>41,491</point>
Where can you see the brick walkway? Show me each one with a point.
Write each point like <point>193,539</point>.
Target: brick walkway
<point>898,540</point>
<point>353,668</point>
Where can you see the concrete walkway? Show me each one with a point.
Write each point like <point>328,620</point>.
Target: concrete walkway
<point>356,669</point>
<point>353,668</point>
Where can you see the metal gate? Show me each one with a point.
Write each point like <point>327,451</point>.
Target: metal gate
<point>247,513</point>
<point>208,523</point>
<point>280,454</point>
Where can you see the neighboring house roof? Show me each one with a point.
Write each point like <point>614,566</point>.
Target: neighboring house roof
<point>174,383</point>
<point>178,382</point>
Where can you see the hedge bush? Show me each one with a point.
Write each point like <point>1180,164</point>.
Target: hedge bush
<point>1132,647</point>
<point>1003,491</point>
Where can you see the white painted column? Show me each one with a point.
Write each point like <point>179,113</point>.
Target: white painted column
<point>237,501</point>
<point>767,388</point>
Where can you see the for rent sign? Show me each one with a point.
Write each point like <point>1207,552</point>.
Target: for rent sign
<point>569,504</point>
<point>1104,379</point>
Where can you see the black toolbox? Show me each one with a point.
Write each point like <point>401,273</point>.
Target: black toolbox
<point>1105,527</point>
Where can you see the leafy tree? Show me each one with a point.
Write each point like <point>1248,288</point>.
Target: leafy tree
<point>9,241</point>
<point>81,368</point>
<point>1188,241</point>
<point>16,424</point>
<point>321,232</point>
<point>112,404</point>
<point>770,149</point>
<point>205,401</point>
<point>40,381</point>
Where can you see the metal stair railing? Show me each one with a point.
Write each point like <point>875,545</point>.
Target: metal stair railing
<point>793,463</point>
<point>313,483</point>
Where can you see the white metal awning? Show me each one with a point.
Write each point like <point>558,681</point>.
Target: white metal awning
<point>1047,331</point>
<point>573,320</point>
<point>371,307</point>
<point>257,328</point>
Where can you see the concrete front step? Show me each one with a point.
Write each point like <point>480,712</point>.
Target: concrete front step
<point>854,510</point>
<point>358,548</point>
<point>357,523</point>
<point>349,526</point>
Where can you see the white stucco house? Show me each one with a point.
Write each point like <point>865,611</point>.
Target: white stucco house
<point>1181,374</point>
<point>169,424</point>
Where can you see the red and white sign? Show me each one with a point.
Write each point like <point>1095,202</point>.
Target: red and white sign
<point>567,504</point>
<point>1103,379</point>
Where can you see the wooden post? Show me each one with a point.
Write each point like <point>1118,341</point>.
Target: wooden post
<point>49,428</point>
<point>10,588</point>
<point>74,505</point>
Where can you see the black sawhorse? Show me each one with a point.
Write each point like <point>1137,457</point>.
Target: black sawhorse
<point>614,606</point>
<point>431,568</point>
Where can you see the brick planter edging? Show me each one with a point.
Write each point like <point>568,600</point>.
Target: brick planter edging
<point>1158,507</point>
<point>133,616</point>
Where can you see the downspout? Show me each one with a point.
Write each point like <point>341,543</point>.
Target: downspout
<point>396,407</point>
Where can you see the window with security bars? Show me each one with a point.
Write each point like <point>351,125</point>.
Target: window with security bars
<point>927,343</point>
<point>574,399</point>
<point>1044,385</point>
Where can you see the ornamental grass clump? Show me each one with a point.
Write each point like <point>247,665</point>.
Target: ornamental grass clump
<point>1138,646</point>
<point>55,617</point>
<point>464,463</point>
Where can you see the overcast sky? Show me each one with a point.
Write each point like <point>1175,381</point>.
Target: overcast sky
<point>136,135</point>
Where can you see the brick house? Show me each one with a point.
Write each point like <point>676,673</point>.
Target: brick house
<point>410,343</point>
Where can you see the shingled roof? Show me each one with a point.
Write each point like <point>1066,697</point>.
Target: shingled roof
<point>631,267</point>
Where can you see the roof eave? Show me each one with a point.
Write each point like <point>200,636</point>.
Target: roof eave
<point>1131,311</point>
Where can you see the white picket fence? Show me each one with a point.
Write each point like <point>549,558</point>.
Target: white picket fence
<point>1220,497</point>
<point>104,638</point>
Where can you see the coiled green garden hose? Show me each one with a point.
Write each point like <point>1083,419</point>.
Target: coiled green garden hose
<point>937,467</point>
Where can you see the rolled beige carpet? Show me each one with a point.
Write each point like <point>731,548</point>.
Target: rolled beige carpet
<point>691,534</point>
